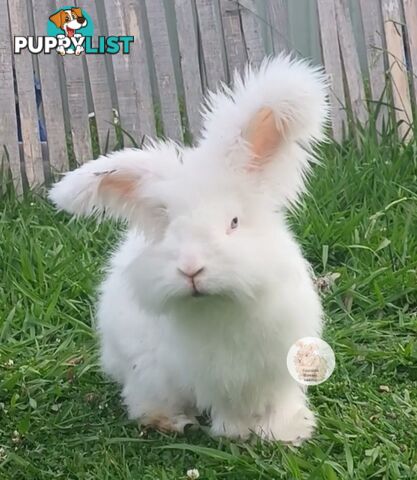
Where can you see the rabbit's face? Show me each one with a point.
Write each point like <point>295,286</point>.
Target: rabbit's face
<point>215,234</point>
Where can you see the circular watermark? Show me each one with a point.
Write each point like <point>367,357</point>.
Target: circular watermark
<point>310,361</point>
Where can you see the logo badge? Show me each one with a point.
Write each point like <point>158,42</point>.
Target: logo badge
<point>70,31</point>
<point>310,361</point>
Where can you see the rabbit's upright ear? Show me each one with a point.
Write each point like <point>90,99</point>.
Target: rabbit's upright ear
<point>123,185</point>
<point>268,120</point>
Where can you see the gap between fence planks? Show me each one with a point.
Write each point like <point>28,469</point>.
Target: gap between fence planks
<point>410,14</point>
<point>391,10</point>
<point>9,148</point>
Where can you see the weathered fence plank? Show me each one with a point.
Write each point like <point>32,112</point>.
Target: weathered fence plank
<point>252,32</point>
<point>51,94</point>
<point>410,14</point>
<point>140,68</point>
<point>190,66</point>
<point>77,107</point>
<point>8,123</point>
<point>233,35</point>
<point>333,64</point>
<point>100,89</point>
<point>391,11</point>
<point>126,89</point>
<point>374,43</point>
<point>164,67</point>
<point>278,19</point>
<point>211,37</point>
<point>350,60</point>
<point>29,121</point>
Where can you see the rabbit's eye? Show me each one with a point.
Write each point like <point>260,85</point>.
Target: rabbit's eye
<point>234,223</point>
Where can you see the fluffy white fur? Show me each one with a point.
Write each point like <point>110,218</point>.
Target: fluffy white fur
<point>176,353</point>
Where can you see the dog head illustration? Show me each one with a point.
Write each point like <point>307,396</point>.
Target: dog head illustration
<point>69,20</point>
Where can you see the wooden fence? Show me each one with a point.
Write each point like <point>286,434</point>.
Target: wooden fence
<point>57,112</point>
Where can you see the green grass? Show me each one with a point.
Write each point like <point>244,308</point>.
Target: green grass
<point>59,418</point>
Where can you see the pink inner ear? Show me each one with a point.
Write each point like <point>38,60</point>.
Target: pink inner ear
<point>263,135</point>
<point>118,184</point>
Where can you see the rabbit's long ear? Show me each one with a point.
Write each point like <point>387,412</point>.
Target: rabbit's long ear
<point>268,120</point>
<point>123,185</point>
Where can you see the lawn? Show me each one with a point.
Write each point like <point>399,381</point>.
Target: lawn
<point>60,418</point>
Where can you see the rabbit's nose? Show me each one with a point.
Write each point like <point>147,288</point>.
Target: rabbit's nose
<point>190,272</point>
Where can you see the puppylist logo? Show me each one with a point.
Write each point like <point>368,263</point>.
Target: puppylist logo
<point>70,31</point>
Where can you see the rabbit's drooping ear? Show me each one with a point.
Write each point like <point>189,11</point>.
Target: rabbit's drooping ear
<point>268,120</point>
<point>123,185</point>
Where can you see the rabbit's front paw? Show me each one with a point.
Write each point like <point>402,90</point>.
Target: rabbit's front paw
<point>289,427</point>
<point>166,424</point>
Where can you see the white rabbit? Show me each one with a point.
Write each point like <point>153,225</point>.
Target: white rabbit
<point>209,289</point>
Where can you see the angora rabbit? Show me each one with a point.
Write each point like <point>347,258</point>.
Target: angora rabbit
<point>209,289</point>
